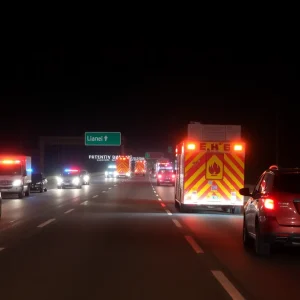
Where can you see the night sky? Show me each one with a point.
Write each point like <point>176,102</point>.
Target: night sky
<point>150,94</point>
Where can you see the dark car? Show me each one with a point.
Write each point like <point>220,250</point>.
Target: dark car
<point>272,213</point>
<point>165,176</point>
<point>38,183</point>
<point>85,177</point>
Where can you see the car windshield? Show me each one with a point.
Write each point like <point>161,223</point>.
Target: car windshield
<point>288,183</point>
<point>13,169</point>
<point>165,171</point>
<point>111,168</point>
<point>67,174</point>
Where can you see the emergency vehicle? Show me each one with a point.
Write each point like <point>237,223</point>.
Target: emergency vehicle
<point>162,163</point>
<point>210,173</point>
<point>123,164</point>
<point>140,167</point>
<point>15,175</point>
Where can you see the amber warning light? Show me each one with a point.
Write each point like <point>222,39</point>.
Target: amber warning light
<point>191,146</point>
<point>238,147</point>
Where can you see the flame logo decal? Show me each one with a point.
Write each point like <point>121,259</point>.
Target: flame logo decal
<point>214,169</point>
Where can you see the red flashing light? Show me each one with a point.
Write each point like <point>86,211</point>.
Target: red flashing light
<point>10,162</point>
<point>173,175</point>
<point>159,175</point>
<point>269,204</point>
<point>238,147</point>
<point>191,146</point>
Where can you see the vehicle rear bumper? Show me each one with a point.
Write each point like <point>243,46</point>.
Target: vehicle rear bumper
<point>275,233</point>
<point>11,190</point>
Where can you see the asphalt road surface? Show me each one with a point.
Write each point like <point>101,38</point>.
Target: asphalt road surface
<point>123,239</point>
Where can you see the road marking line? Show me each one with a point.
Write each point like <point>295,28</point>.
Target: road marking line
<point>46,223</point>
<point>227,285</point>
<point>159,199</point>
<point>115,185</point>
<point>177,223</point>
<point>168,212</point>
<point>84,203</point>
<point>109,188</point>
<point>95,196</point>
<point>1,249</point>
<point>163,205</point>
<point>103,191</point>
<point>194,244</point>
<point>68,211</point>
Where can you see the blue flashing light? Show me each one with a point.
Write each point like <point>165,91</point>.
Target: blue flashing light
<point>29,170</point>
<point>71,170</point>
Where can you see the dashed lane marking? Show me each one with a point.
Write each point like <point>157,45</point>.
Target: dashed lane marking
<point>227,285</point>
<point>68,211</point>
<point>177,223</point>
<point>95,196</point>
<point>1,249</point>
<point>168,212</point>
<point>84,203</point>
<point>46,223</point>
<point>194,244</point>
<point>159,199</point>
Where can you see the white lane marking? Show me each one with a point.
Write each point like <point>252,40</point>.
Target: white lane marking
<point>84,203</point>
<point>109,188</point>
<point>1,249</point>
<point>115,185</point>
<point>227,285</point>
<point>68,211</point>
<point>163,205</point>
<point>103,191</point>
<point>177,223</point>
<point>46,223</point>
<point>168,212</point>
<point>194,244</point>
<point>95,196</point>
<point>159,199</point>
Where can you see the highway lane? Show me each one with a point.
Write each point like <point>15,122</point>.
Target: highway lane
<point>220,236</point>
<point>117,244</point>
<point>20,214</point>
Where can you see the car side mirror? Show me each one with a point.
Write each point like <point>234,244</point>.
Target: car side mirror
<point>245,192</point>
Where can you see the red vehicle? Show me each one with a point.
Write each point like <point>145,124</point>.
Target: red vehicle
<point>166,176</point>
<point>272,213</point>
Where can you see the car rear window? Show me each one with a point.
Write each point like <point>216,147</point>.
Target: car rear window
<point>288,183</point>
<point>166,171</point>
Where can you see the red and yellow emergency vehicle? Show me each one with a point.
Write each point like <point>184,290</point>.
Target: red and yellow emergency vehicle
<point>140,167</point>
<point>123,164</point>
<point>209,174</point>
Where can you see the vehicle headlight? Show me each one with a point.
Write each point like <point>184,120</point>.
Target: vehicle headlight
<point>128,173</point>
<point>106,173</point>
<point>17,182</point>
<point>115,173</point>
<point>75,180</point>
<point>86,177</point>
<point>59,180</point>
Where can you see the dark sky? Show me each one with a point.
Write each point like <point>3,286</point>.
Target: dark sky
<point>150,93</point>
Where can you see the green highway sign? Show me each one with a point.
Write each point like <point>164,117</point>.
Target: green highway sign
<point>102,139</point>
<point>147,155</point>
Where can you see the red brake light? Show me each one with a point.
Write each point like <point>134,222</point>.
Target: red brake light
<point>269,204</point>
<point>173,175</point>
<point>9,162</point>
<point>159,175</point>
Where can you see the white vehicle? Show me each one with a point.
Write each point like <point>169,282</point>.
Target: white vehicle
<point>111,171</point>
<point>15,175</point>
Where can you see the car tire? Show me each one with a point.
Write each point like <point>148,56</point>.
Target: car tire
<point>261,247</point>
<point>247,241</point>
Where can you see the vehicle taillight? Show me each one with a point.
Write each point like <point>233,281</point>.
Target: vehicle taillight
<point>269,204</point>
<point>173,175</point>
<point>159,175</point>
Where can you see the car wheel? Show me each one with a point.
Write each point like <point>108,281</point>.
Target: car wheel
<point>261,247</point>
<point>246,237</point>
